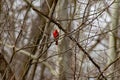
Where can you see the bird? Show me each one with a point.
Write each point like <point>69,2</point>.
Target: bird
<point>56,35</point>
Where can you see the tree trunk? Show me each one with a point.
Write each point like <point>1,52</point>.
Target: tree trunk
<point>112,37</point>
<point>64,60</point>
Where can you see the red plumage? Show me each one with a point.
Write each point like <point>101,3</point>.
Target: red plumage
<point>56,36</point>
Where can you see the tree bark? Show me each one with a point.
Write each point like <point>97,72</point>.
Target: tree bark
<point>64,59</point>
<point>112,37</point>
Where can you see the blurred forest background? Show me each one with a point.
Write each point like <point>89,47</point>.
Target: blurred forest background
<point>88,44</point>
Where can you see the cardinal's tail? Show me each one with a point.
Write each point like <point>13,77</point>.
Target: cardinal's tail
<point>56,42</point>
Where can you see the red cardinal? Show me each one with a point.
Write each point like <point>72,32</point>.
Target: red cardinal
<point>56,36</point>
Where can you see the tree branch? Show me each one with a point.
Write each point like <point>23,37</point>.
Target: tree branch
<point>73,39</point>
<point>32,56</point>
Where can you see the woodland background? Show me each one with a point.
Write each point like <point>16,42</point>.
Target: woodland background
<point>89,40</point>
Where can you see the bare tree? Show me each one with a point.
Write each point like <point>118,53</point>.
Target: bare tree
<point>27,46</point>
